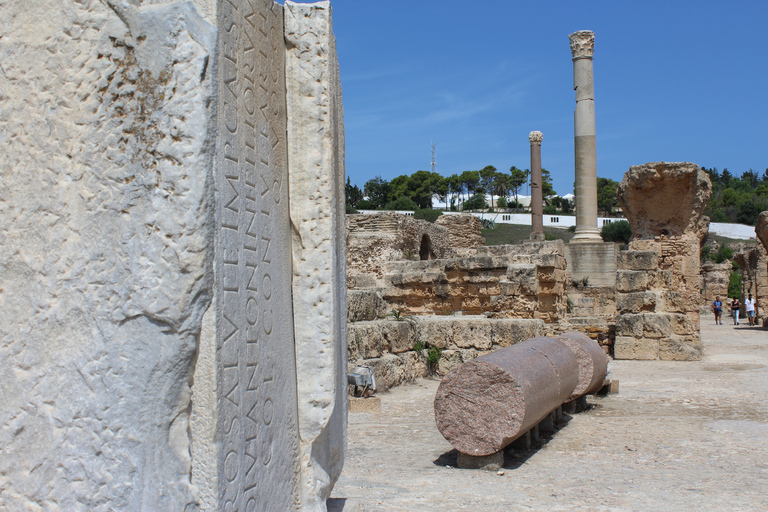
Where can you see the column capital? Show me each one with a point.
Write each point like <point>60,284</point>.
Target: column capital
<point>582,44</point>
<point>535,137</point>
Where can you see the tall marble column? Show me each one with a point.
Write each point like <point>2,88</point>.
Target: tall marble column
<point>537,223</point>
<point>582,48</point>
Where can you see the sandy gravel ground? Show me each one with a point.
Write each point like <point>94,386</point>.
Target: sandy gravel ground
<point>679,436</point>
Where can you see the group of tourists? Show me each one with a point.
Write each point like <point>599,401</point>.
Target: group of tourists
<point>717,308</point>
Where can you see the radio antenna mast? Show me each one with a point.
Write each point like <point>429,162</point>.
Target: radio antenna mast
<point>433,156</point>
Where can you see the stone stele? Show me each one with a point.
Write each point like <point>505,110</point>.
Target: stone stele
<point>150,274</point>
<point>316,184</point>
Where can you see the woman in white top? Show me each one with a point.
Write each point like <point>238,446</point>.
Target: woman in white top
<point>750,305</point>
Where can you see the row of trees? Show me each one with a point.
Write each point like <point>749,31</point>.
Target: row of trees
<point>734,199</point>
<point>737,199</point>
<point>461,191</point>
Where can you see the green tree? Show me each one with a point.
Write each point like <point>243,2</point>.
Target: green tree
<point>618,231</point>
<point>470,181</point>
<point>517,178</point>
<point>353,194</point>
<point>547,190</point>
<point>476,202</point>
<point>606,195</point>
<point>402,203</point>
<point>487,179</point>
<point>377,191</point>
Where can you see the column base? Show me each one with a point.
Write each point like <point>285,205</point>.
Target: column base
<point>589,235</point>
<point>538,236</point>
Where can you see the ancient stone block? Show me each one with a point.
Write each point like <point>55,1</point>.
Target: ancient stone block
<point>463,230</point>
<point>631,280</point>
<point>365,340</point>
<point>436,331</point>
<point>630,347</point>
<point>680,348</point>
<point>364,305</point>
<point>550,275</point>
<point>472,334</point>
<point>761,228</point>
<point>505,332</point>
<point>397,336</point>
<point>638,260</point>
<point>636,302</point>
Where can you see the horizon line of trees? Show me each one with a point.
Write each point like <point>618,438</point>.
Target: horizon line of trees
<point>465,191</point>
<point>735,199</point>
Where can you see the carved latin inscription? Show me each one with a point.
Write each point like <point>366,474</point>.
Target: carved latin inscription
<point>256,379</point>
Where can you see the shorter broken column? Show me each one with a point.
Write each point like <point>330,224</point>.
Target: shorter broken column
<point>485,404</point>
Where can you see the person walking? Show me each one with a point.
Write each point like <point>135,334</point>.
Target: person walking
<point>735,308</point>
<point>717,309</point>
<point>750,306</point>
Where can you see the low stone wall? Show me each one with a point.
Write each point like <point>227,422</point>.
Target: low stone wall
<point>388,345</point>
<point>507,281</point>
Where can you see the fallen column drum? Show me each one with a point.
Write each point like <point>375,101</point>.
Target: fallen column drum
<point>592,361</point>
<point>485,404</point>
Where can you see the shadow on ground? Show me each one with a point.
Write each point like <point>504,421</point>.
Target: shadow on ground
<point>520,451</point>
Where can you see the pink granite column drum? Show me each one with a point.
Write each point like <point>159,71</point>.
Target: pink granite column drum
<point>485,404</point>
<point>592,361</point>
<point>537,223</point>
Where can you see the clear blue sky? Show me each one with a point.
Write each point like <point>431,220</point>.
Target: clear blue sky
<point>674,80</point>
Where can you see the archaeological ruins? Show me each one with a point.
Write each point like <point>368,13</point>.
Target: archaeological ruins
<point>184,295</point>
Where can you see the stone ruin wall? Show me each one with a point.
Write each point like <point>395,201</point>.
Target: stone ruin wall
<point>388,345</point>
<point>522,281</point>
<point>463,230</point>
<point>464,306</point>
<point>657,285</point>
<point>374,239</point>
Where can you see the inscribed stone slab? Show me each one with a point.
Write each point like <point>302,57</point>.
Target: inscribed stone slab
<point>255,361</point>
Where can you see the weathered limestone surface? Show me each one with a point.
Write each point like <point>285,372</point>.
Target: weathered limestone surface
<point>485,404</point>
<point>106,228</point>
<point>463,230</point>
<point>753,262</point>
<point>507,281</point>
<point>316,184</point>
<point>664,198</point>
<point>375,239</point>
<point>658,283</point>
<point>761,228</point>
<point>389,345</point>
